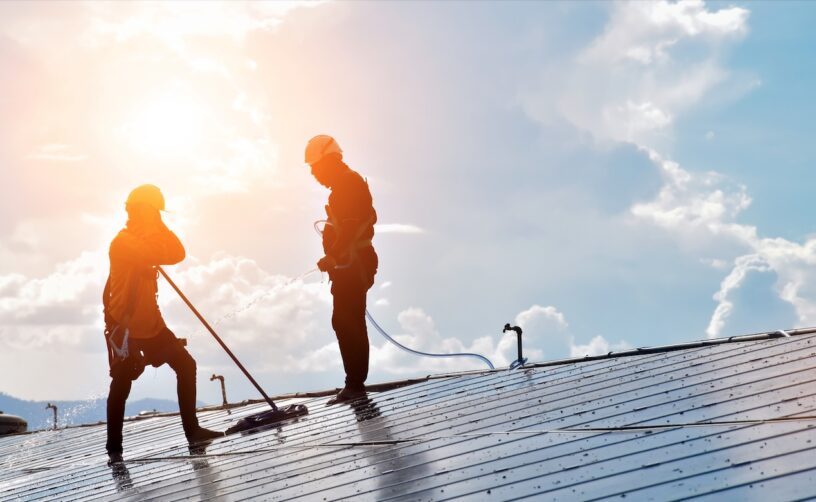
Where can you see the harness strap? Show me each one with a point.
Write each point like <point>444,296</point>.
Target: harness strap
<point>355,242</point>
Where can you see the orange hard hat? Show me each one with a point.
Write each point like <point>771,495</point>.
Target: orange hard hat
<point>320,146</point>
<point>147,194</point>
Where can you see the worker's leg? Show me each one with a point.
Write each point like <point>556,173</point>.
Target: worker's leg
<point>166,348</point>
<point>348,321</point>
<point>185,367</point>
<point>117,395</point>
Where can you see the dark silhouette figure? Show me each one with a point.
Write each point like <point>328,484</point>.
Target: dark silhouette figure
<point>350,258</point>
<point>135,331</point>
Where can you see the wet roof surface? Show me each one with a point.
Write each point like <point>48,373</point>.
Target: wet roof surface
<point>733,421</point>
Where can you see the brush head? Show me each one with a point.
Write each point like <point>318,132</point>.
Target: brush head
<point>267,419</point>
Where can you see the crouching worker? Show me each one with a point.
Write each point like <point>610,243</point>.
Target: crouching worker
<point>135,332</point>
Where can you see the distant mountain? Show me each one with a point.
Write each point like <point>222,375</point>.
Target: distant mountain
<point>75,412</point>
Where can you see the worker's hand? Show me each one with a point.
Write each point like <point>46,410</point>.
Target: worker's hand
<point>145,220</point>
<point>326,263</point>
<point>149,216</point>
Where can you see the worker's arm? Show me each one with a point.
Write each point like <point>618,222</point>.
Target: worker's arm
<point>159,247</point>
<point>338,253</point>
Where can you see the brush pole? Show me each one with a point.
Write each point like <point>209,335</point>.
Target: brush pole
<point>217,338</point>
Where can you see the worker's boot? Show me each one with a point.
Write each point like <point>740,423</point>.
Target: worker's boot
<point>346,395</point>
<point>202,435</point>
<point>115,458</point>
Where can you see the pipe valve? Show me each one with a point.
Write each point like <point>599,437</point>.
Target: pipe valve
<point>518,363</point>
<point>225,404</point>
<point>53,407</point>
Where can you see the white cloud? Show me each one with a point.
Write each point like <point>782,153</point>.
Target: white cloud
<point>650,78</point>
<point>692,202</point>
<point>542,326</point>
<point>643,32</point>
<point>795,266</point>
<point>56,153</point>
<point>244,161</point>
<point>742,266</point>
<point>656,61</point>
<point>60,309</point>
<point>598,346</point>
<point>276,321</point>
<point>715,263</point>
<point>545,336</point>
<point>417,331</point>
<point>174,22</point>
<point>649,74</point>
<point>284,326</point>
<point>702,209</point>
<point>276,324</point>
<point>52,325</point>
<point>549,316</point>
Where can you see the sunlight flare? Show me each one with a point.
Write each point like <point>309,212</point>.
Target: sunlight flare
<point>167,125</point>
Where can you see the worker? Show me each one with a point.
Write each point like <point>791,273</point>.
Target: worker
<point>135,332</point>
<point>349,257</point>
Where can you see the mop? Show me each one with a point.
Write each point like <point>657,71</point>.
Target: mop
<point>264,419</point>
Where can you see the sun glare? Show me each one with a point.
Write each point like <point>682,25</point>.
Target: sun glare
<point>166,125</point>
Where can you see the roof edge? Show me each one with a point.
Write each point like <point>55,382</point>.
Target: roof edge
<point>766,335</point>
<point>385,386</point>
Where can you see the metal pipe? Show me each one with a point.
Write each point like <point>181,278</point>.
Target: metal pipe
<point>223,388</point>
<point>53,407</point>
<point>518,340</point>
<point>520,361</point>
<point>218,339</point>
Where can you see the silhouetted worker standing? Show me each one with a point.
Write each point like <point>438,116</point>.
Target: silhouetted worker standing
<point>135,331</point>
<point>349,258</point>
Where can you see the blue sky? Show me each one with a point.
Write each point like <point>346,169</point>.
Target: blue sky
<point>609,175</point>
<point>769,130</point>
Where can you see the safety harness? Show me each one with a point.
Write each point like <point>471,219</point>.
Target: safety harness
<point>356,242</point>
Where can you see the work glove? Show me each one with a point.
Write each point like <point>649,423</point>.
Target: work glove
<point>326,263</point>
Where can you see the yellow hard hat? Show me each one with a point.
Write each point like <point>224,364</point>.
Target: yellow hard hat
<point>320,146</point>
<point>147,194</point>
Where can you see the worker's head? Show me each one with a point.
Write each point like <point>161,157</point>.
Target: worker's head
<point>325,158</point>
<point>144,203</point>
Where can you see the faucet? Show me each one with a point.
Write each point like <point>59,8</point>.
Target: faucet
<point>53,407</point>
<point>225,404</point>
<point>521,360</point>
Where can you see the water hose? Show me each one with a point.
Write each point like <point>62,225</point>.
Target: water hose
<point>420,353</point>
<point>392,340</point>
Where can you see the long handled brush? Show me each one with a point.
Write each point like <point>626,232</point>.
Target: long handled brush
<point>263,419</point>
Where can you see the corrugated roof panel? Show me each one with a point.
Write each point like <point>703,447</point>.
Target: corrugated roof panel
<point>721,421</point>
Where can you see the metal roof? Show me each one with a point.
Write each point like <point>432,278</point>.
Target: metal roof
<point>713,421</point>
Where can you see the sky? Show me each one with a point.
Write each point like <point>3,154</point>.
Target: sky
<point>605,175</point>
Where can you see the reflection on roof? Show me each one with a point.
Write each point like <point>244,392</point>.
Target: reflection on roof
<point>731,421</point>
